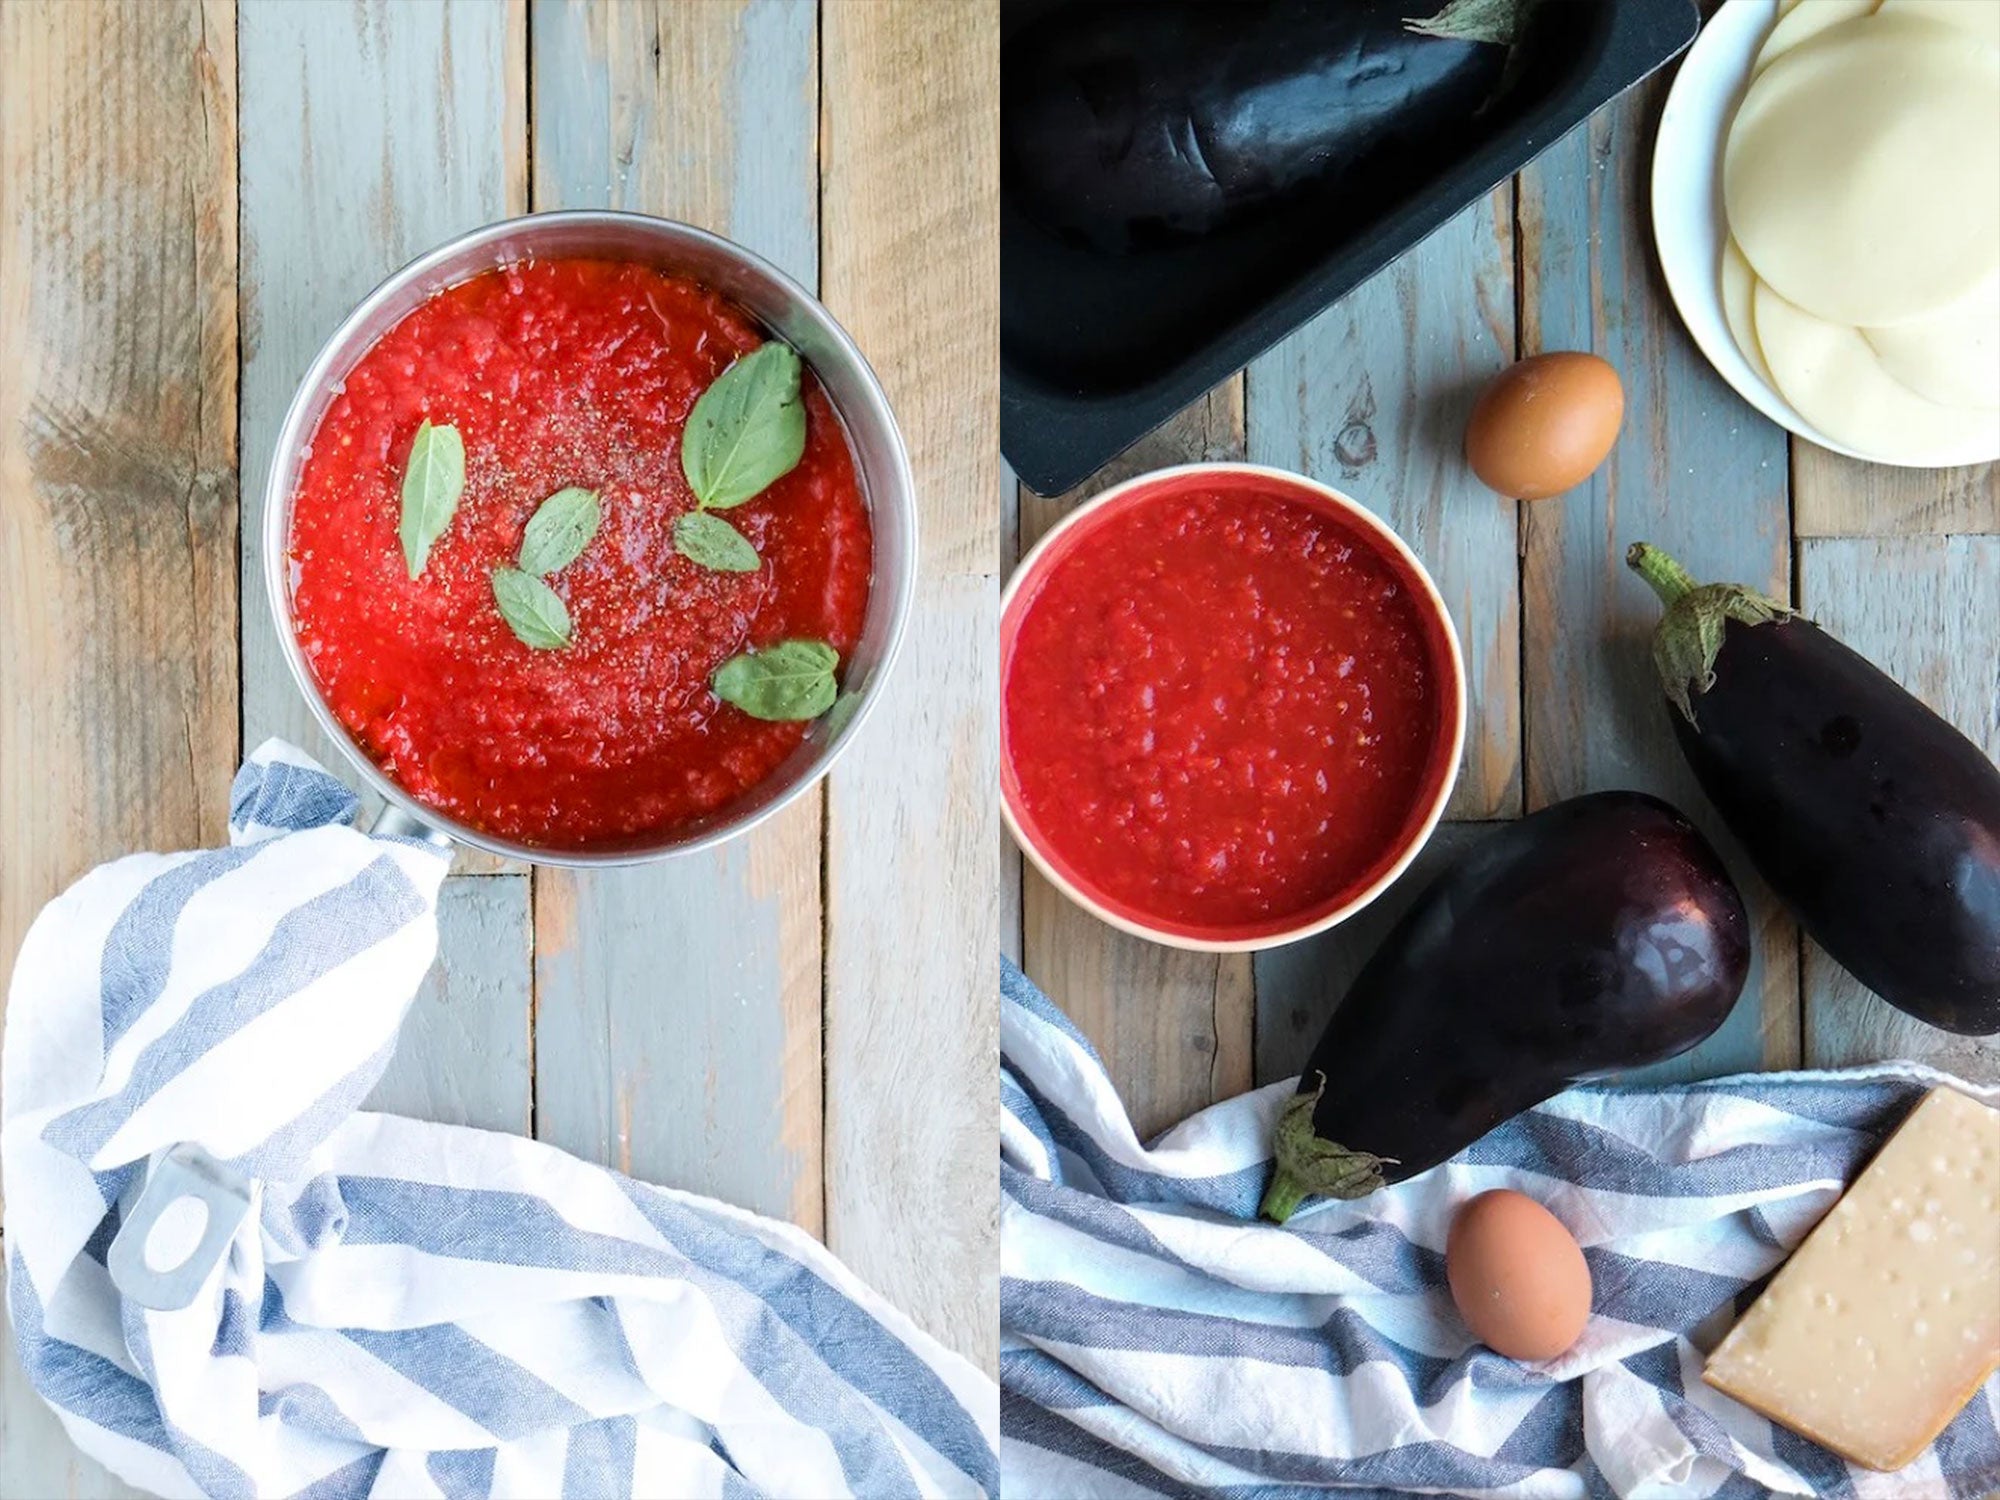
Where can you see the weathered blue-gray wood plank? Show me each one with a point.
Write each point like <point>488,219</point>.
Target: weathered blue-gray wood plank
<point>464,1055</point>
<point>1371,397</point>
<point>678,1005</point>
<point>1696,471</point>
<point>1926,610</point>
<point>371,132</point>
<point>910,208</point>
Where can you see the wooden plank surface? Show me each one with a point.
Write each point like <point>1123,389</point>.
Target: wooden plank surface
<point>1925,609</point>
<point>910,232</point>
<point>372,132</point>
<point>348,172</point>
<point>118,724</point>
<point>1371,397</point>
<point>678,1004</point>
<point>1695,471</point>
<point>465,1054</point>
<point>1176,1030</point>
<point>1837,496</point>
<point>117,440</point>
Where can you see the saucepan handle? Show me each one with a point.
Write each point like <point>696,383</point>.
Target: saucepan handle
<point>212,1199</point>
<point>396,822</point>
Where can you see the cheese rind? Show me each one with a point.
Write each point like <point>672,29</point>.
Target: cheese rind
<point>1884,1323</point>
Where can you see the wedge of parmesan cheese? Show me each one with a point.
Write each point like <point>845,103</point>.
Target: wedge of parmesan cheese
<point>1884,1323</point>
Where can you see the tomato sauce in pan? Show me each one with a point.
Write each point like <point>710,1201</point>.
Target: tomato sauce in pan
<point>563,373</point>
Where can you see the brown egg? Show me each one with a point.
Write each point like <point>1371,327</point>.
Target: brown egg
<point>1518,1278</point>
<point>1544,425</point>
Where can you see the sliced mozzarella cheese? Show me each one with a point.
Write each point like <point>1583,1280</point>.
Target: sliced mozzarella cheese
<point>1804,21</point>
<point>1832,376</point>
<point>1862,172</point>
<point>1952,357</point>
<point>1738,285</point>
<point>1980,18</point>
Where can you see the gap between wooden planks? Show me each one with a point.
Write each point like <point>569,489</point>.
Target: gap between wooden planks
<point>848,145</point>
<point>118,498</point>
<point>1560,260</point>
<point>348,171</point>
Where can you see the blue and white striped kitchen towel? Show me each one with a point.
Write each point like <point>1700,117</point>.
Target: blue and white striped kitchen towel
<point>1156,1340</point>
<point>410,1310</point>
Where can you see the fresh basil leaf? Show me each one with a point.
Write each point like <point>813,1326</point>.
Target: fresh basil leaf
<point>532,610</point>
<point>788,681</point>
<point>558,531</point>
<point>433,480</point>
<point>747,430</point>
<point>714,543</point>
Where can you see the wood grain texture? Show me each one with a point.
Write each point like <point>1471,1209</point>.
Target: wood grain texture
<point>909,203</point>
<point>371,132</point>
<point>662,1045</point>
<point>1696,471</point>
<point>455,1060</point>
<point>1926,610</point>
<point>1837,496</point>
<point>1012,916</point>
<point>678,1005</point>
<point>117,483</point>
<point>1371,398</point>
<point>118,344</point>
<point>117,440</point>
<point>1175,1029</point>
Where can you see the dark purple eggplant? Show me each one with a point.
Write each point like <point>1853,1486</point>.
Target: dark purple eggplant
<point>1874,820</point>
<point>1598,934</point>
<point>1126,124</point>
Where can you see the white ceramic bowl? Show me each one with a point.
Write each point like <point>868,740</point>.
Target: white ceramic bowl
<point>1441,772</point>
<point>1689,225</point>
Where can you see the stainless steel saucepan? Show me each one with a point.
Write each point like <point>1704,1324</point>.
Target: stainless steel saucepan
<point>782,306</point>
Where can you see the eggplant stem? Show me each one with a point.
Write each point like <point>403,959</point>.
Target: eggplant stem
<point>1668,578</point>
<point>1690,634</point>
<point>1283,1197</point>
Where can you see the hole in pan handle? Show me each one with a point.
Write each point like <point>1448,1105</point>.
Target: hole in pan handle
<point>186,1172</point>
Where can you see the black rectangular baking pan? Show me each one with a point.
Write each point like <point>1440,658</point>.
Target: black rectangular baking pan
<point>1098,348</point>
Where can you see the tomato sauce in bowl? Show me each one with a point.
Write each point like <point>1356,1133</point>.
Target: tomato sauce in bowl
<point>1232,706</point>
<point>563,373</point>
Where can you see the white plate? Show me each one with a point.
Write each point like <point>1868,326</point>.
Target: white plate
<point>1688,222</point>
